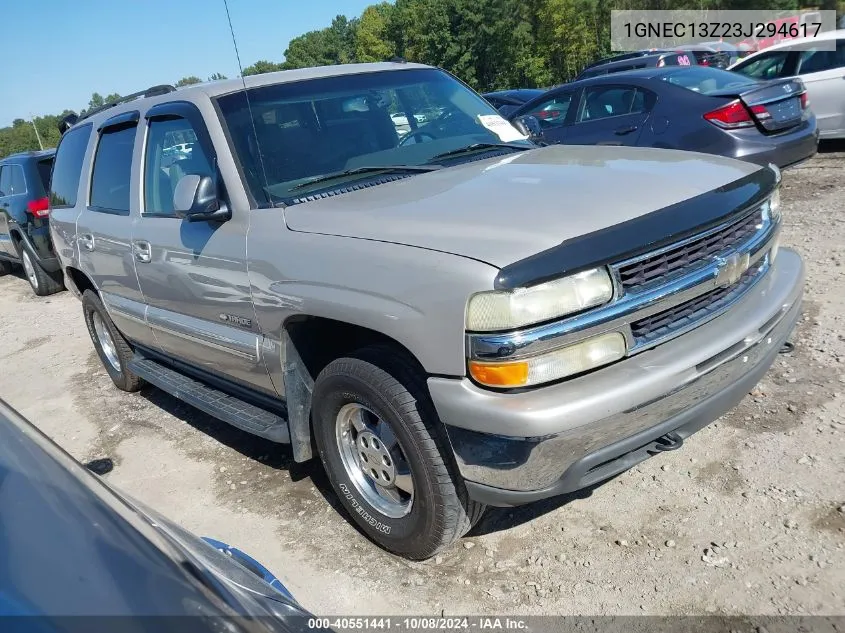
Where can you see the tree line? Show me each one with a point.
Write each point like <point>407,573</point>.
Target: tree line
<point>490,44</point>
<point>24,135</point>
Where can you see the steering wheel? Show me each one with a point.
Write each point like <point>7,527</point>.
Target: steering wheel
<point>415,133</point>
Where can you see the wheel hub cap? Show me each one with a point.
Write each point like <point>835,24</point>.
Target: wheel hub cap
<point>29,269</point>
<point>106,342</point>
<point>374,460</point>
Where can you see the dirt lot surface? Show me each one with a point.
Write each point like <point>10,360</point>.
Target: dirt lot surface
<point>747,519</point>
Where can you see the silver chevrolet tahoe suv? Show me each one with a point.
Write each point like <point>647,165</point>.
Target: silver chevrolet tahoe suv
<point>450,316</point>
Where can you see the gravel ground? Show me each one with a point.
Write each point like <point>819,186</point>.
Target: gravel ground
<point>747,519</point>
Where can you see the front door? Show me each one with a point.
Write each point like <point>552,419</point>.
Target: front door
<point>610,115</point>
<point>193,275</point>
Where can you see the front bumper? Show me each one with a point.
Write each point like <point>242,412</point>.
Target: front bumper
<point>514,448</point>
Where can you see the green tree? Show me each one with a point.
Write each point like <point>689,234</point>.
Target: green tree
<point>188,81</point>
<point>216,77</point>
<point>332,45</point>
<point>95,101</point>
<point>371,39</point>
<point>262,66</point>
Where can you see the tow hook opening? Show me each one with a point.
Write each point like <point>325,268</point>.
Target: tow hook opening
<point>787,348</point>
<point>669,442</point>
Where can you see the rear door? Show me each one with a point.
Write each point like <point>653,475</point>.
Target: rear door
<point>193,275</point>
<point>13,199</point>
<point>823,73</point>
<point>610,114</point>
<point>6,247</point>
<point>104,226</point>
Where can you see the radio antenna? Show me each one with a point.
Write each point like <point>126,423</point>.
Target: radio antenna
<point>248,105</point>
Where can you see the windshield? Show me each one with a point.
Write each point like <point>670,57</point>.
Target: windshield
<point>292,133</point>
<point>707,80</point>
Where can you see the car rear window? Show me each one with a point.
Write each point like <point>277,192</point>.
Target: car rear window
<point>707,80</point>
<point>68,167</point>
<point>44,166</point>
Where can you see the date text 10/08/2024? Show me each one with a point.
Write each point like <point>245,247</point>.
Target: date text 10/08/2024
<point>719,30</point>
<point>417,623</point>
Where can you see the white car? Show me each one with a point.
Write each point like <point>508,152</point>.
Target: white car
<point>822,71</point>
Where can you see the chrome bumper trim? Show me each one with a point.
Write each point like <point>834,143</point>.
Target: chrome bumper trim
<point>627,308</point>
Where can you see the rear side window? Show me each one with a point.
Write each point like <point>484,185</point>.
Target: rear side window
<point>113,170</point>
<point>766,66</point>
<point>816,61</point>
<point>64,184</point>
<point>601,102</point>
<point>5,180</point>
<point>44,166</point>
<point>12,181</point>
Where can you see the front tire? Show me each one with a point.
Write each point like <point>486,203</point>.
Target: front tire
<point>377,433</point>
<point>5,268</point>
<point>43,283</point>
<point>114,351</point>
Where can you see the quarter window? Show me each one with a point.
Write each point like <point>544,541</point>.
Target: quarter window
<point>67,169</point>
<point>172,152</point>
<point>601,102</point>
<point>113,170</point>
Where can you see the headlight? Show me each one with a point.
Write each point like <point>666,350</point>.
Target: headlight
<point>774,205</point>
<point>506,310</point>
<point>567,361</point>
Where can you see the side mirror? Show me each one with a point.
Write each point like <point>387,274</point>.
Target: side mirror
<point>196,200</point>
<point>528,125</point>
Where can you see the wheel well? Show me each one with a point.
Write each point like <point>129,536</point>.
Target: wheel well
<point>16,239</point>
<point>335,339</point>
<point>80,280</point>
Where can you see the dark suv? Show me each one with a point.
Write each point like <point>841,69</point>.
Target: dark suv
<point>24,211</point>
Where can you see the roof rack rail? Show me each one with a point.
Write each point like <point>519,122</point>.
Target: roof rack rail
<point>153,91</point>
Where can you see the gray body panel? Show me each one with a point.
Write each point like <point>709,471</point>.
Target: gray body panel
<point>504,209</point>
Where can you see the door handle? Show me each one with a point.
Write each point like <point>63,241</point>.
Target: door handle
<point>86,241</point>
<point>143,251</point>
<point>625,130</point>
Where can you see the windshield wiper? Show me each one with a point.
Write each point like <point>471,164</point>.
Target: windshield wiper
<point>478,146</point>
<point>363,170</point>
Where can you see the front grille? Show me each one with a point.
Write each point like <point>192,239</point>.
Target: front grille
<point>660,268</point>
<point>693,311</point>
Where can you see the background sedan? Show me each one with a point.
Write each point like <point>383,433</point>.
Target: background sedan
<point>690,108</point>
<point>821,69</point>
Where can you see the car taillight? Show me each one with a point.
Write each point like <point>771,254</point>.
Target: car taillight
<point>548,114</point>
<point>730,116</point>
<point>805,100</point>
<point>761,113</point>
<point>39,208</point>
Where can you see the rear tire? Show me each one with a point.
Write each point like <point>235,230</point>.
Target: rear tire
<point>373,408</point>
<point>114,351</point>
<point>43,283</point>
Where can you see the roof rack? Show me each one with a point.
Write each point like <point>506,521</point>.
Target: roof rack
<point>72,119</point>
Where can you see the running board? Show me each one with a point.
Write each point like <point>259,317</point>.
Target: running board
<point>214,402</point>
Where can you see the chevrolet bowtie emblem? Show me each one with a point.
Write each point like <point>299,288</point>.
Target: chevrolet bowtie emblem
<point>731,268</point>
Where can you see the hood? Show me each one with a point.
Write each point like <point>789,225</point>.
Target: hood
<point>504,209</point>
